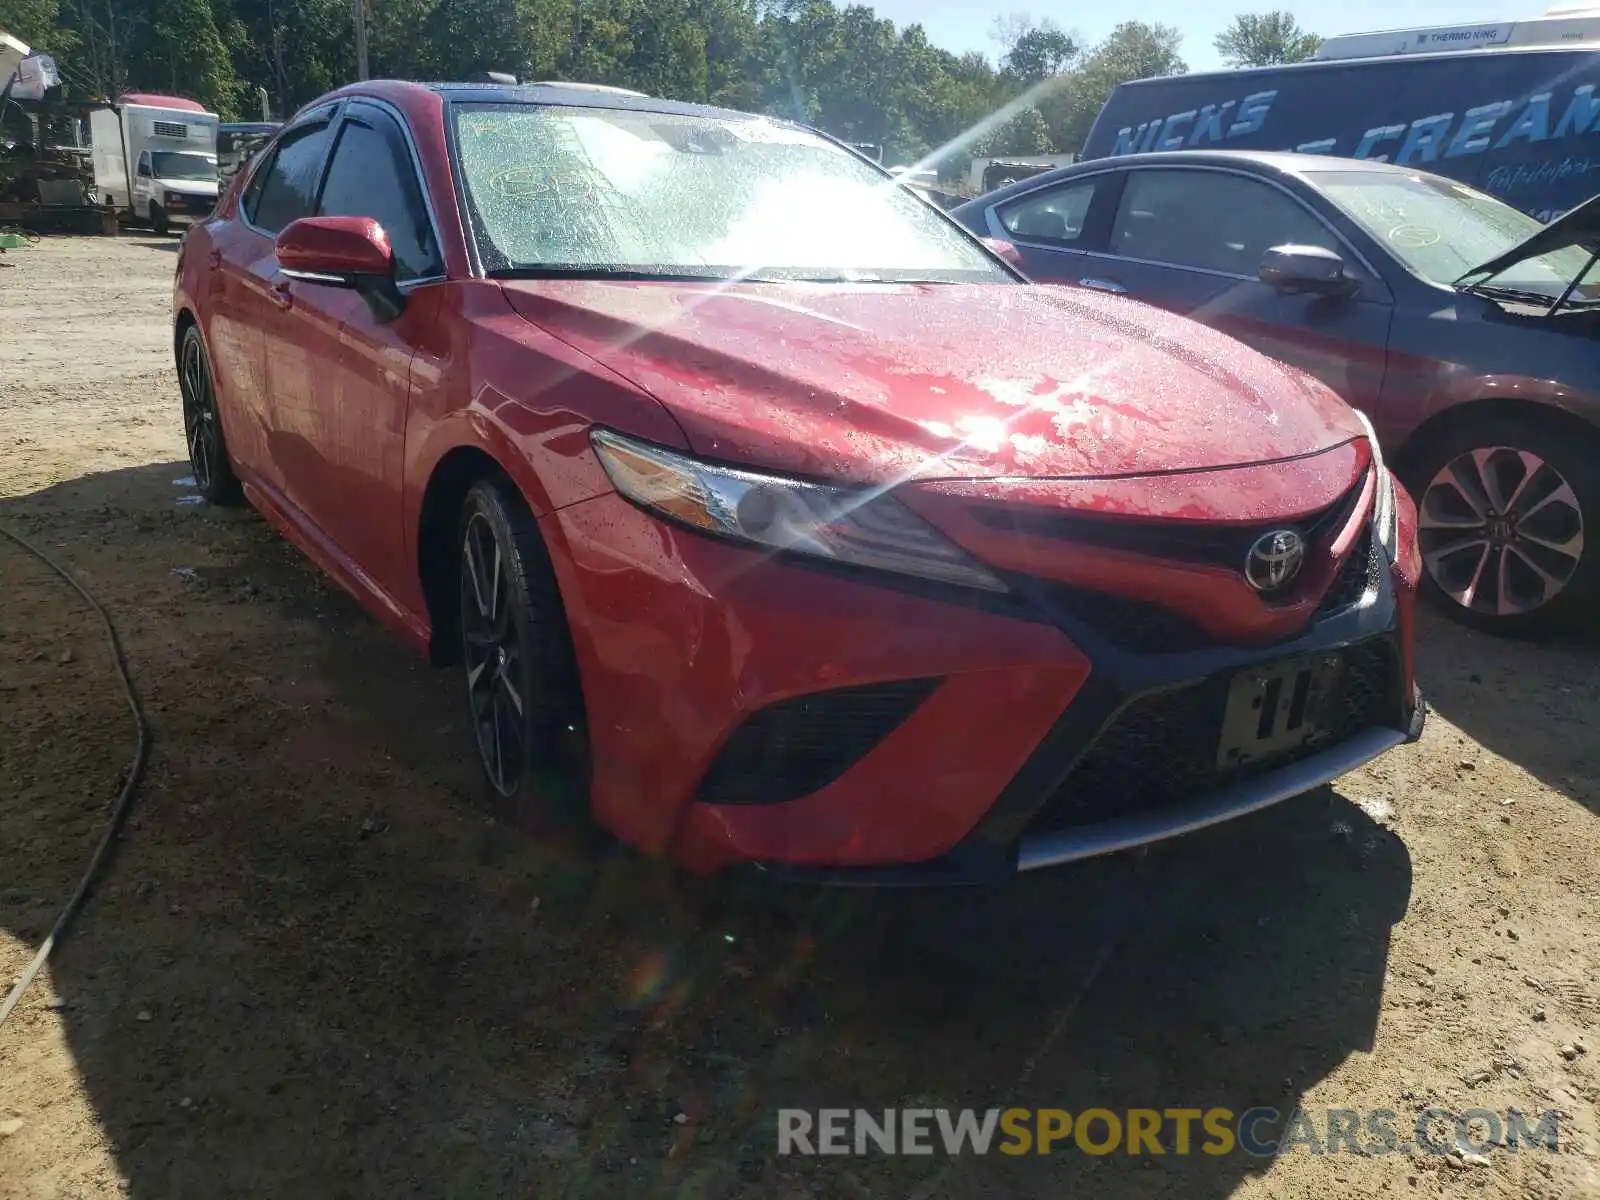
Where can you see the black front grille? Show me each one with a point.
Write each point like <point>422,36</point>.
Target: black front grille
<point>1135,625</point>
<point>1358,575</point>
<point>1146,627</point>
<point>799,746</point>
<point>1211,542</point>
<point>1161,749</point>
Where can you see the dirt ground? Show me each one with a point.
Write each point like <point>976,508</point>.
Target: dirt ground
<point>319,967</point>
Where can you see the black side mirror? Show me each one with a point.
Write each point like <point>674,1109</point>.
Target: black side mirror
<point>1309,270</point>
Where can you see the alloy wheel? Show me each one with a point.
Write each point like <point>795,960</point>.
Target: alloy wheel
<point>1501,531</point>
<point>494,656</point>
<point>199,416</point>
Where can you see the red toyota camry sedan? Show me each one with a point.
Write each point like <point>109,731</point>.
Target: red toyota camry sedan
<point>768,516</point>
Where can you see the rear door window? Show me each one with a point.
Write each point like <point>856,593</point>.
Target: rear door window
<point>1210,221</point>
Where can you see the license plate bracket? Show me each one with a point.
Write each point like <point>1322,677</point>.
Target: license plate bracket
<point>1277,707</point>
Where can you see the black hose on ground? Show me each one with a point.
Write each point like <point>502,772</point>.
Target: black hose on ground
<point>141,753</point>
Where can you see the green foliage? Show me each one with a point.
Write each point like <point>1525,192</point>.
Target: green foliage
<point>1262,39</point>
<point>1024,134</point>
<point>1036,51</point>
<point>1134,50</point>
<point>181,50</point>
<point>842,68</point>
<point>36,22</point>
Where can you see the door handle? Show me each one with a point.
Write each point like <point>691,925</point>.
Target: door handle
<point>1104,285</point>
<point>282,296</point>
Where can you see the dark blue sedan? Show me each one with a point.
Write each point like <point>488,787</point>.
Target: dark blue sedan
<point>1463,328</point>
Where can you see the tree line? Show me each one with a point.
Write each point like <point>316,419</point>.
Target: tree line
<point>843,69</point>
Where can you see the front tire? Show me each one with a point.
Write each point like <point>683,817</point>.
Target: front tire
<point>158,220</point>
<point>202,425</point>
<point>523,695</point>
<point>1508,521</point>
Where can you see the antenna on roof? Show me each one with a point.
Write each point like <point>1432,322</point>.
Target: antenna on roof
<point>492,77</point>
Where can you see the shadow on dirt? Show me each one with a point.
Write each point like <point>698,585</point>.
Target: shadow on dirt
<point>151,241</point>
<point>318,967</point>
<point>1536,704</point>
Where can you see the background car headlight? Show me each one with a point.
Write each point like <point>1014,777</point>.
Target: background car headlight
<point>1384,519</point>
<point>860,527</point>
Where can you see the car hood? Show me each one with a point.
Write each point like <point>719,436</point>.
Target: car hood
<point>886,382</point>
<point>1578,227</point>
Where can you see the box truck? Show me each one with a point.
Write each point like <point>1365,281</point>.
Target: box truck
<point>155,158</point>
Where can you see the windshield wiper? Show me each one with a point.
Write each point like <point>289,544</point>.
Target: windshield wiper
<point>1494,291</point>
<point>866,278</point>
<point>633,275</point>
<point>619,274</point>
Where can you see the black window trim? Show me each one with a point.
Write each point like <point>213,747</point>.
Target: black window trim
<point>469,233</point>
<point>351,112</point>
<point>268,157</point>
<point>1384,296</point>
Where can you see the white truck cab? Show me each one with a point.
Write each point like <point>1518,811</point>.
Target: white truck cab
<point>155,158</point>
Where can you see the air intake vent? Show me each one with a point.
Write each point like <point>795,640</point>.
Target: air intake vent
<point>799,746</point>
<point>1359,576</point>
<point>171,129</point>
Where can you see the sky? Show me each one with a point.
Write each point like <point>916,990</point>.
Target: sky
<point>962,25</point>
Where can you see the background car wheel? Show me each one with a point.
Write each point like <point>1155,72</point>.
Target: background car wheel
<point>202,426</point>
<point>524,699</point>
<point>1508,519</point>
<point>158,219</point>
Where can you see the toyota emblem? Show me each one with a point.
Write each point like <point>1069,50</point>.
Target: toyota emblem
<point>1274,560</point>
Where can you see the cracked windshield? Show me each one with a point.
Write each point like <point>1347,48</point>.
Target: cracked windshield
<point>564,189</point>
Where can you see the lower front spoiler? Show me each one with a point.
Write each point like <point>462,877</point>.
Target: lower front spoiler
<point>1110,837</point>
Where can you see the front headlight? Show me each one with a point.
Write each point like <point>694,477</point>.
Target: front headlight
<point>863,528</point>
<point>1384,524</point>
<point>1384,521</point>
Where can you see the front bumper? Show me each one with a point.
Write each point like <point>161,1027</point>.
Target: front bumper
<point>958,722</point>
<point>1234,800</point>
<point>187,210</point>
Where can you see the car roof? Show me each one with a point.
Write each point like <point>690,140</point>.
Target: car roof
<point>568,95</point>
<point>1281,162</point>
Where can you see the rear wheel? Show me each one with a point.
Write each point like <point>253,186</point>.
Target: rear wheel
<point>1508,517</point>
<point>523,695</point>
<point>202,426</point>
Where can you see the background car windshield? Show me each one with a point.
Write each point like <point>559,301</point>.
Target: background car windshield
<point>1442,229</point>
<point>599,190</point>
<point>175,164</point>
